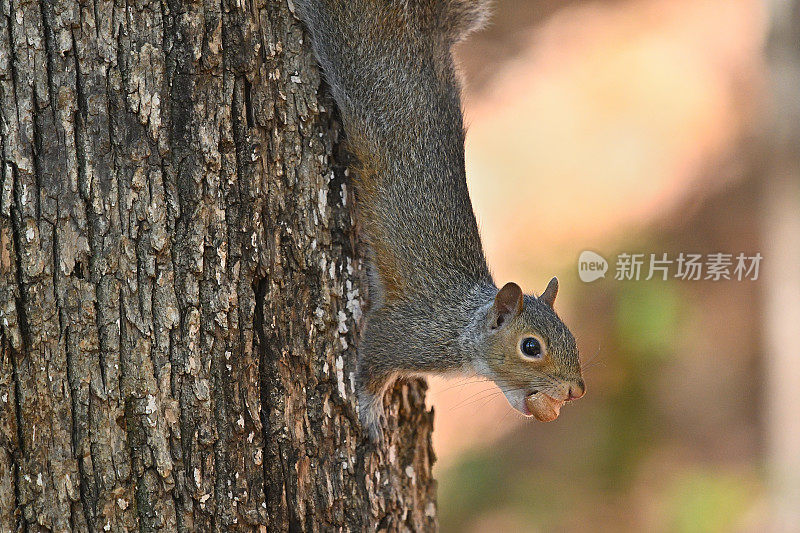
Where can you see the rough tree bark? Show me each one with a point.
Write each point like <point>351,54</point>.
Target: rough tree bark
<point>180,283</point>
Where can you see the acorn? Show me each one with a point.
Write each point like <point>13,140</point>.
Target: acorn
<point>544,408</point>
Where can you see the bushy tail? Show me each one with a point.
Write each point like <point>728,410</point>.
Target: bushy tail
<point>462,17</point>
<point>452,20</point>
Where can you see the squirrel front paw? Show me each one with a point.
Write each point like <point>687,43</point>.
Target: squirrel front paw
<point>371,415</point>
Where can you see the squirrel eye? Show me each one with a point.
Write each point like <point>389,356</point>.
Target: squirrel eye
<point>531,347</point>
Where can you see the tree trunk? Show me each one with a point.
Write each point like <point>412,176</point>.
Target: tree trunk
<point>180,282</point>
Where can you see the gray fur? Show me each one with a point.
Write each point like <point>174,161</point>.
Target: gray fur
<point>390,68</point>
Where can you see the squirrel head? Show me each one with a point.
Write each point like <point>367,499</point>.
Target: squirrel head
<point>530,354</point>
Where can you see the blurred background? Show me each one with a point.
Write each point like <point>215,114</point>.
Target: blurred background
<point>637,126</point>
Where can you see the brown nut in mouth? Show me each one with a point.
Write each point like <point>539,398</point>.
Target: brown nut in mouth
<point>544,408</point>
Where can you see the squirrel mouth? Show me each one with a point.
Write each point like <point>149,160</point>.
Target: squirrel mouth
<point>542,407</point>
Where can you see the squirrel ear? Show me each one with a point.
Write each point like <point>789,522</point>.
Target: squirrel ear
<point>549,294</point>
<point>507,303</point>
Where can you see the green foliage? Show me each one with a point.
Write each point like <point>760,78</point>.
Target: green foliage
<point>706,502</point>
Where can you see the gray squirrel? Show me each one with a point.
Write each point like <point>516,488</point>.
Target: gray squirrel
<point>435,308</point>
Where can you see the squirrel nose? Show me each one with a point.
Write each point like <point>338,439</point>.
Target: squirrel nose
<point>577,389</point>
